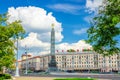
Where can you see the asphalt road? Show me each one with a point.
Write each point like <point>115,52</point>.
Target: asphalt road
<point>99,76</point>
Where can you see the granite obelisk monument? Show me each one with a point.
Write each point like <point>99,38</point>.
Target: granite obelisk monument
<point>52,64</point>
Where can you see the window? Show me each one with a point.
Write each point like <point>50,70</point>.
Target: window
<point>79,57</point>
<point>80,62</point>
<point>109,61</point>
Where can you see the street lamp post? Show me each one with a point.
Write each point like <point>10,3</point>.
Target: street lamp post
<point>26,72</point>
<point>119,63</point>
<point>73,63</point>
<point>17,68</point>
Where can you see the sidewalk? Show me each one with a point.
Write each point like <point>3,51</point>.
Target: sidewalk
<point>63,73</point>
<point>33,78</point>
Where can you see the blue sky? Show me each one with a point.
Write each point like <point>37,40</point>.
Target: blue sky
<point>71,16</point>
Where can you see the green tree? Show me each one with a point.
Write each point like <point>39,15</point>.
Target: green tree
<point>71,50</point>
<point>9,32</point>
<point>86,50</point>
<point>105,27</point>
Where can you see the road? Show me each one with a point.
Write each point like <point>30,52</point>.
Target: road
<point>80,75</point>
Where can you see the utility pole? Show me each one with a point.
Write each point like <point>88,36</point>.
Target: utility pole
<point>17,68</point>
<point>26,72</point>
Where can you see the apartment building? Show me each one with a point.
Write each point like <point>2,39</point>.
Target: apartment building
<point>77,61</point>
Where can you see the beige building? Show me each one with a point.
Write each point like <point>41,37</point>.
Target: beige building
<point>77,61</point>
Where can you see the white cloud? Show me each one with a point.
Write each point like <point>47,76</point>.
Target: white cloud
<point>81,44</point>
<point>75,0</point>
<point>32,41</point>
<point>81,31</point>
<point>92,5</point>
<point>37,23</point>
<point>34,45</point>
<point>66,8</point>
<point>35,19</point>
<point>89,18</point>
<point>42,48</point>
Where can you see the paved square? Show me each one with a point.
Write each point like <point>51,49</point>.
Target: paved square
<point>33,78</point>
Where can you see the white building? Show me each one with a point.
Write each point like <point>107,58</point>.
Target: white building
<point>77,61</point>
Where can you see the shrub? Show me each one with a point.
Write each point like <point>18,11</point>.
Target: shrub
<point>5,76</point>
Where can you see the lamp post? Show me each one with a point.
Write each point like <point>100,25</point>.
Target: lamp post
<point>17,68</point>
<point>73,63</point>
<point>118,63</point>
<point>26,72</point>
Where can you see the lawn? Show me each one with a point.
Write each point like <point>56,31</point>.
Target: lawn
<point>75,79</point>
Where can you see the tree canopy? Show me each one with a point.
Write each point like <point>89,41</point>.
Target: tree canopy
<point>87,50</point>
<point>105,28</point>
<point>71,50</point>
<point>9,32</point>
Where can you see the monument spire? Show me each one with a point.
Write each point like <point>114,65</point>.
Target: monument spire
<point>52,40</point>
<point>52,64</point>
<point>52,25</point>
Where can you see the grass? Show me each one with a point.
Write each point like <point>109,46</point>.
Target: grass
<point>75,79</point>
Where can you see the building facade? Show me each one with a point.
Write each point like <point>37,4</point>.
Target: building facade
<point>73,61</point>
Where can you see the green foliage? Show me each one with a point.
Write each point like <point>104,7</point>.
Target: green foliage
<point>103,31</point>
<point>71,50</point>
<point>5,76</point>
<point>75,79</point>
<point>86,50</point>
<point>30,71</point>
<point>9,32</point>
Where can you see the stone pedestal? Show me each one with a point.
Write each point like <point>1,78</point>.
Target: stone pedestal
<point>52,64</point>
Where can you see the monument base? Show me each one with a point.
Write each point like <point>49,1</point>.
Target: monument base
<point>52,65</point>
